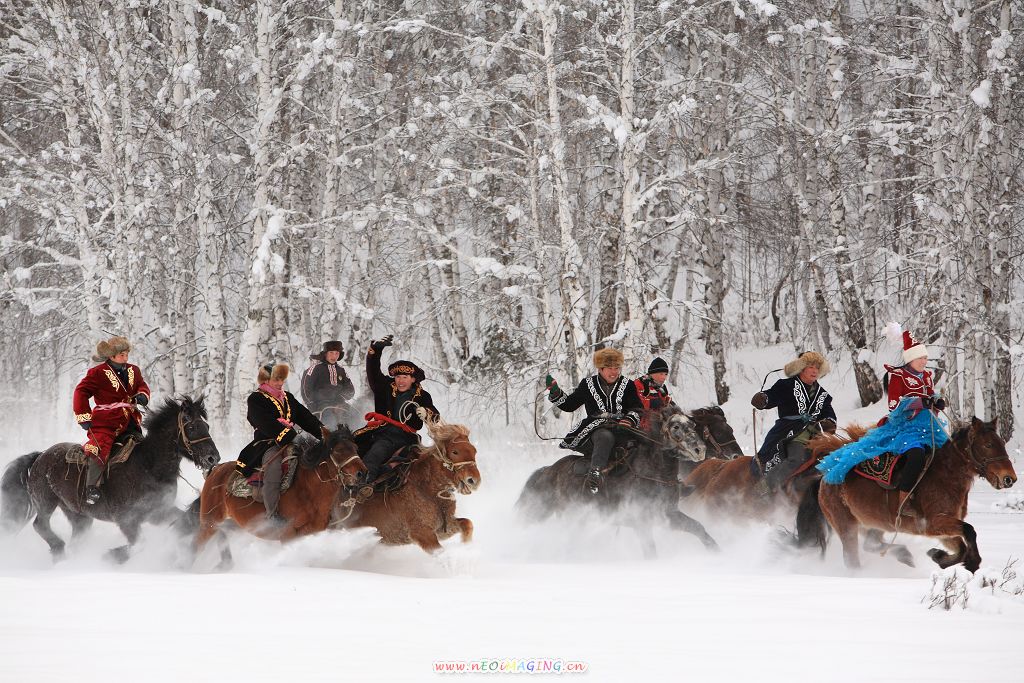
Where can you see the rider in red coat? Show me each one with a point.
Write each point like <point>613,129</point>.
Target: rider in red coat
<point>117,389</point>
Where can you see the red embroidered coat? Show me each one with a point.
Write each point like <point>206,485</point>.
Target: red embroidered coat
<point>113,400</point>
<point>903,382</point>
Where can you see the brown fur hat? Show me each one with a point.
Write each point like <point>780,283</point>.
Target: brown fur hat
<point>608,358</point>
<point>272,371</point>
<point>807,358</point>
<point>110,348</point>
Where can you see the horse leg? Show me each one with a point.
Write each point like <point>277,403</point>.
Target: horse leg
<point>646,537</point>
<point>843,521</point>
<point>44,510</point>
<point>874,542</point>
<point>964,545</point>
<point>425,538</point>
<point>465,528</point>
<point>682,522</point>
<point>130,528</point>
<point>79,523</point>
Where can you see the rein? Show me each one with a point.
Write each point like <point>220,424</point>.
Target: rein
<point>185,441</point>
<point>448,463</point>
<point>710,438</point>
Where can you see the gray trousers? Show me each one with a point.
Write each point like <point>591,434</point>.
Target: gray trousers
<point>272,475</point>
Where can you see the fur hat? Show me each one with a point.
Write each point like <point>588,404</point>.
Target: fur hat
<point>407,367</point>
<point>607,358</point>
<point>912,349</point>
<point>332,346</point>
<point>272,371</point>
<point>807,358</point>
<point>110,348</point>
<point>657,365</point>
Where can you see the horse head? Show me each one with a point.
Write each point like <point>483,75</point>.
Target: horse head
<point>184,421</point>
<point>987,452</point>
<point>341,449</point>
<point>457,455</point>
<point>679,434</point>
<point>716,432</point>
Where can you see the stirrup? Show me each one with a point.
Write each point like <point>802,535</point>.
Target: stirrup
<point>593,480</point>
<point>92,495</point>
<point>364,493</point>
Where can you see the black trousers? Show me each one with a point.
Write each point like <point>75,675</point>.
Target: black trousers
<point>913,465</point>
<point>381,450</point>
<point>603,441</point>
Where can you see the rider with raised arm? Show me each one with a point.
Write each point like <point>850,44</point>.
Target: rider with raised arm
<point>610,400</point>
<point>400,406</point>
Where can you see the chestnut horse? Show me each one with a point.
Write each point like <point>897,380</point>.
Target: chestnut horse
<point>422,511</point>
<point>940,498</point>
<point>326,469</point>
<point>730,487</point>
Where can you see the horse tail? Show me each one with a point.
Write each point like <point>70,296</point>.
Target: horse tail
<point>16,507</point>
<point>811,527</point>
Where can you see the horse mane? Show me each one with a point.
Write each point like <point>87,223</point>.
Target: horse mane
<point>445,432</point>
<point>166,413</point>
<point>824,443</point>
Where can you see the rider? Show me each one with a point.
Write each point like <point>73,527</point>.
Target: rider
<point>805,410</point>
<point>652,390</point>
<point>908,428</point>
<point>400,406</point>
<point>610,400</point>
<point>326,387</point>
<point>117,388</point>
<point>273,414</point>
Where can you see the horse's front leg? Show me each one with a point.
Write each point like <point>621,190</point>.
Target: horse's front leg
<point>130,528</point>
<point>678,520</point>
<point>963,541</point>
<point>465,528</point>
<point>425,538</point>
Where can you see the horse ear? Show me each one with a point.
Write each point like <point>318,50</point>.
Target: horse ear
<point>992,424</point>
<point>975,422</point>
<point>717,410</point>
<point>325,432</point>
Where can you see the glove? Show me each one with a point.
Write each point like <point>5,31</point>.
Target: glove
<point>926,402</point>
<point>827,425</point>
<point>550,382</point>
<point>421,412</point>
<point>760,400</point>
<point>140,400</point>
<point>85,425</point>
<point>382,343</point>
<point>555,393</point>
<point>939,403</point>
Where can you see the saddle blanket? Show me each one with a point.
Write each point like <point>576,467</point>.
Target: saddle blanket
<point>879,469</point>
<point>246,488</point>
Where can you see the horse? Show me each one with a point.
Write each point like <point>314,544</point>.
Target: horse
<point>647,474</point>
<point>142,489</point>
<point>422,511</point>
<point>326,470</point>
<point>974,449</point>
<point>717,434</point>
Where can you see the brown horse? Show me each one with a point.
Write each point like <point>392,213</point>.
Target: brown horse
<point>940,498</point>
<point>730,487</point>
<point>422,511</point>
<point>326,470</point>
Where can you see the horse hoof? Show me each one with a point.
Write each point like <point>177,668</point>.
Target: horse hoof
<point>58,554</point>
<point>939,557</point>
<point>711,544</point>
<point>904,556</point>
<point>118,555</point>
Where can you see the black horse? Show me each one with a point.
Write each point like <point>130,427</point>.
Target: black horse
<point>646,474</point>
<point>716,433</point>
<point>142,489</point>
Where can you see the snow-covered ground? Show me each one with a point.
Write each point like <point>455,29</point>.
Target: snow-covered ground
<point>337,607</point>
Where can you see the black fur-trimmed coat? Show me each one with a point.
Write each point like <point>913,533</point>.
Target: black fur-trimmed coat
<point>799,406</point>
<point>388,402</point>
<point>604,407</point>
<point>263,413</point>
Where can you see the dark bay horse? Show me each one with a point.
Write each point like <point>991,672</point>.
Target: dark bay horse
<point>422,511</point>
<point>940,498</point>
<point>327,469</point>
<point>142,489</point>
<point>650,479</point>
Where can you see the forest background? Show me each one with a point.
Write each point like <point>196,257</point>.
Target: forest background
<point>506,187</point>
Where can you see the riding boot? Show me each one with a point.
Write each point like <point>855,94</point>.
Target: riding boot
<point>603,442</point>
<point>777,476</point>
<point>93,477</point>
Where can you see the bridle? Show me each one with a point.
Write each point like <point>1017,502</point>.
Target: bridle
<point>447,462</point>
<point>718,446</point>
<point>186,442</point>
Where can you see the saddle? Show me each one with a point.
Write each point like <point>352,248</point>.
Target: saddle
<point>120,451</point>
<point>882,469</point>
<point>396,470</point>
<point>239,487</point>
